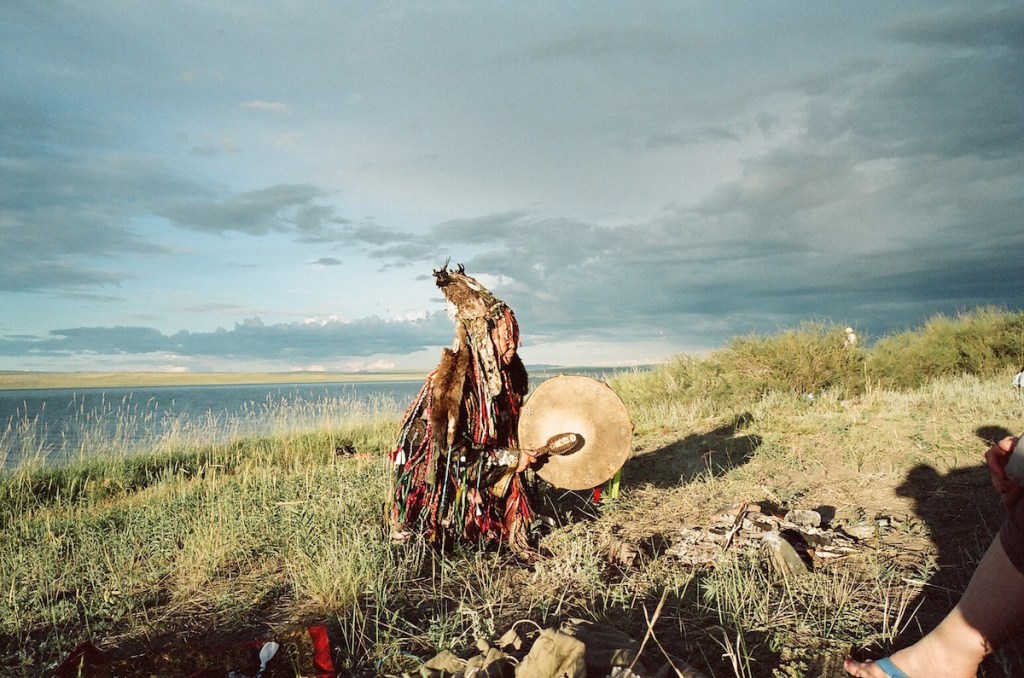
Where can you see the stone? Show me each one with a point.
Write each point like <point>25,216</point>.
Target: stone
<point>803,518</point>
<point>783,556</point>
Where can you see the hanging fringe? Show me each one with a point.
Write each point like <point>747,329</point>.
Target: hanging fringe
<point>451,454</point>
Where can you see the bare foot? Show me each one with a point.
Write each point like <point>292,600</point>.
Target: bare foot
<point>925,659</point>
<point>866,669</point>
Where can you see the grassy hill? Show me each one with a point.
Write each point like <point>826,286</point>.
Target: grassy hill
<point>178,550</point>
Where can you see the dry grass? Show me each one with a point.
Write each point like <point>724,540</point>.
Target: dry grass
<point>276,531</point>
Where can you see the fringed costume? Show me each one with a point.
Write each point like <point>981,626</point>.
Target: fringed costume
<point>456,461</point>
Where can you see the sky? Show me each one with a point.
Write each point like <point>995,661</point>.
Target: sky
<point>230,185</point>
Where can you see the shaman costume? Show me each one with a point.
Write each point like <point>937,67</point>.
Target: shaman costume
<point>456,464</point>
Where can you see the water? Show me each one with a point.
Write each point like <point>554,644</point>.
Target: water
<point>64,424</point>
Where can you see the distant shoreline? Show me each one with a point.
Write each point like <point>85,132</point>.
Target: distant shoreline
<point>10,380</point>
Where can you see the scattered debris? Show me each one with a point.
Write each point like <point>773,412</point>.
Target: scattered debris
<point>803,518</point>
<point>576,648</point>
<point>800,535</point>
<point>868,529</point>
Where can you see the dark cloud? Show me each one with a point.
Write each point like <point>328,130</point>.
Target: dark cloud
<point>373,234</point>
<point>874,183</point>
<point>48,272</point>
<point>950,103</point>
<point>250,339</point>
<point>279,208</point>
<point>968,25</point>
<point>59,209</point>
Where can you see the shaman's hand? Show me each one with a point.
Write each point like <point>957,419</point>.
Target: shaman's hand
<point>558,444</point>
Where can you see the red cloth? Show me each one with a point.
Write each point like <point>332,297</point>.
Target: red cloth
<point>322,652</point>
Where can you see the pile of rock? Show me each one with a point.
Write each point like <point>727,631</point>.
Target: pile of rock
<point>795,542</point>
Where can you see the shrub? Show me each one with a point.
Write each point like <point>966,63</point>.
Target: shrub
<point>983,342</point>
<point>812,358</point>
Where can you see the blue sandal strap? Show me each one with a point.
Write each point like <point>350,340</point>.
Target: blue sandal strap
<point>890,669</point>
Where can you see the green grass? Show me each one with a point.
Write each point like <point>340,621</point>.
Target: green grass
<point>138,549</point>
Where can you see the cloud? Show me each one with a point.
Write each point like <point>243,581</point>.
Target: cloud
<point>267,210</point>
<point>288,140</point>
<point>50,272</point>
<point>63,209</point>
<point>948,101</point>
<point>588,43</point>
<point>69,212</point>
<point>285,208</point>
<point>249,339</point>
<point>965,26</point>
<point>265,106</point>
<point>213,147</point>
<point>676,175</point>
<point>662,140</point>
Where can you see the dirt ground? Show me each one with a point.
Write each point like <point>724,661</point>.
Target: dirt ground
<point>948,518</point>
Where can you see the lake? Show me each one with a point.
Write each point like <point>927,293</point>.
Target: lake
<point>62,424</point>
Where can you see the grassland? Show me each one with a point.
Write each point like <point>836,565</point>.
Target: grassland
<point>191,544</point>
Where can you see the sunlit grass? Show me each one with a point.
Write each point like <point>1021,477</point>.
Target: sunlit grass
<point>234,525</point>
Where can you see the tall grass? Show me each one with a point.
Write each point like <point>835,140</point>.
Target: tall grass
<point>815,358</point>
<point>116,429</point>
<point>984,342</point>
<point>272,527</point>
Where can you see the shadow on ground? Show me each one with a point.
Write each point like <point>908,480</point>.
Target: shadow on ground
<point>963,515</point>
<point>679,462</point>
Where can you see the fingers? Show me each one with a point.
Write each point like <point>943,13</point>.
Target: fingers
<point>525,460</point>
<point>996,458</point>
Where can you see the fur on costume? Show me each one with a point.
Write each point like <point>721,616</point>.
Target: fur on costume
<point>455,461</point>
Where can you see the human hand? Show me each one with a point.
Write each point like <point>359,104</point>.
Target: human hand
<point>996,457</point>
<point>526,459</point>
<point>558,444</point>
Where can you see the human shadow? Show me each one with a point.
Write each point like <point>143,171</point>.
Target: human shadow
<point>680,462</point>
<point>962,515</point>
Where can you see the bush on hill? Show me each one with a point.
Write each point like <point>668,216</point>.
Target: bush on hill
<point>983,343</point>
<point>815,358</point>
<point>810,359</point>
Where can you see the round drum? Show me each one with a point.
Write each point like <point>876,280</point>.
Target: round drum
<point>588,408</point>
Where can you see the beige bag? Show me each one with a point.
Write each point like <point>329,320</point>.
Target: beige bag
<point>605,646</point>
<point>553,655</point>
